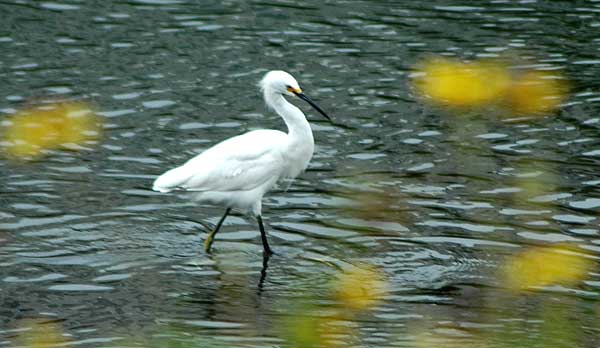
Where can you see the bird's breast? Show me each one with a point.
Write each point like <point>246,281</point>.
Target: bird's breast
<point>297,156</point>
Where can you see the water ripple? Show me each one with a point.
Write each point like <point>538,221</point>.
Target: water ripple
<point>432,198</point>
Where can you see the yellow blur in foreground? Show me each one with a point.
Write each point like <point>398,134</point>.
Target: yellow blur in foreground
<point>39,334</point>
<point>455,83</point>
<point>360,287</point>
<point>542,266</point>
<point>522,92</point>
<point>32,131</point>
<point>537,92</point>
<point>454,338</point>
<point>312,331</point>
<point>356,289</point>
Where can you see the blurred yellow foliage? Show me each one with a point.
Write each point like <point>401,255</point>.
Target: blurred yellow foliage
<point>483,83</point>
<point>318,332</point>
<point>536,92</point>
<point>374,205</point>
<point>303,331</point>
<point>542,266</point>
<point>357,288</point>
<point>360,287</point>
<point>455,338</point>
<point>40,334</point>
<point>455,83</point>
<point>534,179</point>
<point>31,131</point>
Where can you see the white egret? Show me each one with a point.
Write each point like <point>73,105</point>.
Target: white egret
<point>238,171</point>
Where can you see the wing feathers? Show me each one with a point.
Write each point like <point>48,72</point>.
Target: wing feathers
<point>171,180</point>
<point>239,163</point>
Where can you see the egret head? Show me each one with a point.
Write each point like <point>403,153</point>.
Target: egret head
<point>282,83</point>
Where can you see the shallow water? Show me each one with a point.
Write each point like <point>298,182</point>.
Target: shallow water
<point>427,196</point>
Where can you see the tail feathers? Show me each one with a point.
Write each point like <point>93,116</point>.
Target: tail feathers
<point>171,180</point>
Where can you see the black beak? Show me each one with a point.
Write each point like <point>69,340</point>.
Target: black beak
<point>312,103</point>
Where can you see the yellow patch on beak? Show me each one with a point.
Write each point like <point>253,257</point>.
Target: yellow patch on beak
<point>294,90</point>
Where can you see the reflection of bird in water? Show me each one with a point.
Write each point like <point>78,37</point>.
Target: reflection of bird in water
<point>237,172</point>
<point>263,274</point>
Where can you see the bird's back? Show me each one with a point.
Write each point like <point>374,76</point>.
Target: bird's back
<point>241,163</point>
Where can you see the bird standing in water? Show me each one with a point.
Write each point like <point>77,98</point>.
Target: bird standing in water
<point>238,171</point>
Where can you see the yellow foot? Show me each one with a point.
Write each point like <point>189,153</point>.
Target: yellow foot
<point>208,242</point>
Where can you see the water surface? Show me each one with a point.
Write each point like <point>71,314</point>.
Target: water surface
<point>84,241</point>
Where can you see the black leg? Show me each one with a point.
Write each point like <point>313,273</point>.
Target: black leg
<point>209,239</point>
<point>263,236</point>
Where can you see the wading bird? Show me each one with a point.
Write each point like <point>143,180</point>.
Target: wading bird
<point>238,171</point>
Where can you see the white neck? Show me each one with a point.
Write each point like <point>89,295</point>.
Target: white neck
<point>300,143</point>
<point>298,127</point>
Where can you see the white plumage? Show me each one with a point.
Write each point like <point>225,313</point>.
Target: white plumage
<point>238,171</point>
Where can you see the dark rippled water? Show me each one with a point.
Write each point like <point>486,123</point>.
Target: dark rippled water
<point>86,243</point>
